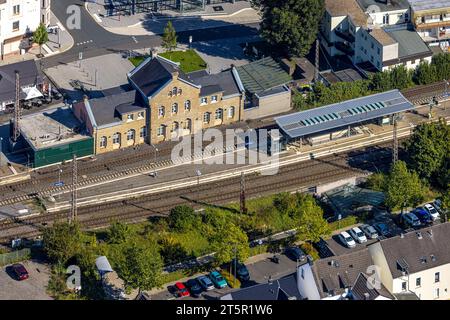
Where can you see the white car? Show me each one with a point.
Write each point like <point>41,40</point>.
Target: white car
<point>347,239</point>
<point>432,211</point>
<point>358,235</point>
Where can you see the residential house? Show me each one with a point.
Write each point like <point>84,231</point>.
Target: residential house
<point>431,18</point>
<point>280,289</point>
<point>340,278</point>
<point>115,122</point>
<point>18,20</point>
<point>416,263</point>
<point>183,103</point>
<point>372,38</point>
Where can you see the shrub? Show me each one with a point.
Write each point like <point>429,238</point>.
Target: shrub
<point>231,280</point>
<point>308,248</point>
<point>343,223</point>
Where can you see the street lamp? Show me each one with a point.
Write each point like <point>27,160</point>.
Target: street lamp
<point>198,173</point>
<point>1,151</point>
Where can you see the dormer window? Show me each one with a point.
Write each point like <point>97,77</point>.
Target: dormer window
<point>204,100</point>
<point>130,117</point>
<point>141,115</point>
<point>213,99</point>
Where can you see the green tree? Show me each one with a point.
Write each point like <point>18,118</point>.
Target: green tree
<point>428,148</point>
<point>285,203</point>
<point>311,224</point>
<point>183,218</point>
<point>425,73</point>
<point>40,36</point>
<point>142,266</point>
<point>62,241</point>
<point>376,181</point>
<point>290,25</point>
<point>446,199</point>
<point>228,242</point>
<point>169,38</point>
<point>118,233</point>
<point>403,187</point>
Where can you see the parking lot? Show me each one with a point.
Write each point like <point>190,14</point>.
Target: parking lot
<point>260,272</point>
<point>33,288</point>
<point>393,228</point>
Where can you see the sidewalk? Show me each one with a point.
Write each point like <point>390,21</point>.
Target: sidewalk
<point>51,48</point>
<point>154,23</point>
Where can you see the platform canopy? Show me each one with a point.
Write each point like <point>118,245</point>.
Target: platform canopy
<point>343,114</point>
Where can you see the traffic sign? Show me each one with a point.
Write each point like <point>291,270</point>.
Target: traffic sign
<point>58,184</point>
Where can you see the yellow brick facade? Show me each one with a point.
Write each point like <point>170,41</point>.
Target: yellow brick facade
<point>179,92</point>
<point>122,130</point>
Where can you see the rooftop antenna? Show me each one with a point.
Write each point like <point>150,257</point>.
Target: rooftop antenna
<point>17,110</point>
<point>73,211</point>
<point>243,207</point>
<point>395,147</point>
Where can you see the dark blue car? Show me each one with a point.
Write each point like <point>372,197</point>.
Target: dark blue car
<point>423,215</point>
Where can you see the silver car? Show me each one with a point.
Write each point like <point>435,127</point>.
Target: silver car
<point>370,231</point>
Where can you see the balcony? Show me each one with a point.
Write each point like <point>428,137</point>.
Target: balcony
<point>347,49</point>
<point>345,35</point>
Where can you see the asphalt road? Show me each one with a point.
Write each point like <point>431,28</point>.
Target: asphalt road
<point>93,40</point>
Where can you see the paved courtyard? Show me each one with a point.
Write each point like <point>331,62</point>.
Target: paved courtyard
<point>95,74</point>
<point>34,288</point>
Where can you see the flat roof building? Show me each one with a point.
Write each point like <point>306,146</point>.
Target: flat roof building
<point>55,135</point>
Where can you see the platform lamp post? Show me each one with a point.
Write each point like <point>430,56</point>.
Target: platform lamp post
<point>1,151</point>
<point>59,179</point>
<point>446,91</point>
<point>198,173</point>
<point>156,150</point>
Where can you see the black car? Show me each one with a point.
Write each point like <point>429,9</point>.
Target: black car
<point>295,253</point>
<point>241,270</point>
<point>194,287</point>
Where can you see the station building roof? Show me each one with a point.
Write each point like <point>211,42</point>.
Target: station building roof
<point>343,114</point>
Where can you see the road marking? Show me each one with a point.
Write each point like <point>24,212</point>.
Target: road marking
<point>60,26</point>
<point>134,39</point>
<point>84,42</point>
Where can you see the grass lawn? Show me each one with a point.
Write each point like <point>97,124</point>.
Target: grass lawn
<point>189,60</point>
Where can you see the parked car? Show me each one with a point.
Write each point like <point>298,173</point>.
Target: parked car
<point>20,272</point>
<point>370,231</point>
<point>205,283</point>
<point>382,228</point>
<point>217,279</point>
<point>347,240</point>
<point>240,270</point>
<point>181,290</point>
<point>432,211</point>
<point>411,220</point>
<point>358,235</point>
<point>194,287</point>
<point>423,215</point>
<point>438,205</point>
<point>295,253</point>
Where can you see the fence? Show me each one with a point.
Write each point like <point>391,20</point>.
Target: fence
<point>15,256</point>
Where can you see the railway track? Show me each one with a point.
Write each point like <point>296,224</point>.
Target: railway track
<point>289,179</point>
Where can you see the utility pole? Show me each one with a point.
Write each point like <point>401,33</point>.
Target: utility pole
<point>316,73</point>
<point>17,111</point>
<point>243,207</point>
<point>73,211</point>
<point>395,150</point>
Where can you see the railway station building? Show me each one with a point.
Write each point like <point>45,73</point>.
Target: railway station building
<point>114,121</point>
<point>184,103</point>
<point>54,136</point>
<point>340,120</point>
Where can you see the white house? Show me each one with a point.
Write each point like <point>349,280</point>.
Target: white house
<point>417,262</point>
<point>373,35</point>
<point>18,20</point>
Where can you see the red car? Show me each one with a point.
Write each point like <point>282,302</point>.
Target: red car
<point>20,271</point>
<point>181,290</point>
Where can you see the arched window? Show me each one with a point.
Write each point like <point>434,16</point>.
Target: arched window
<point>143,132</point>
<point>131,134</point>
<point>180,91</point>
<point>206,117</point>
<point>161,130</point>
<point>219,114</point>
<point>231,112</point>
<point>175,108</point>
<point>174,91</point>
<point>188,124</point>
<point>116,138</point>
<point>103,142</point>
<point>175,126</point>
<point>187,105</point>
<point>161,111</point>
